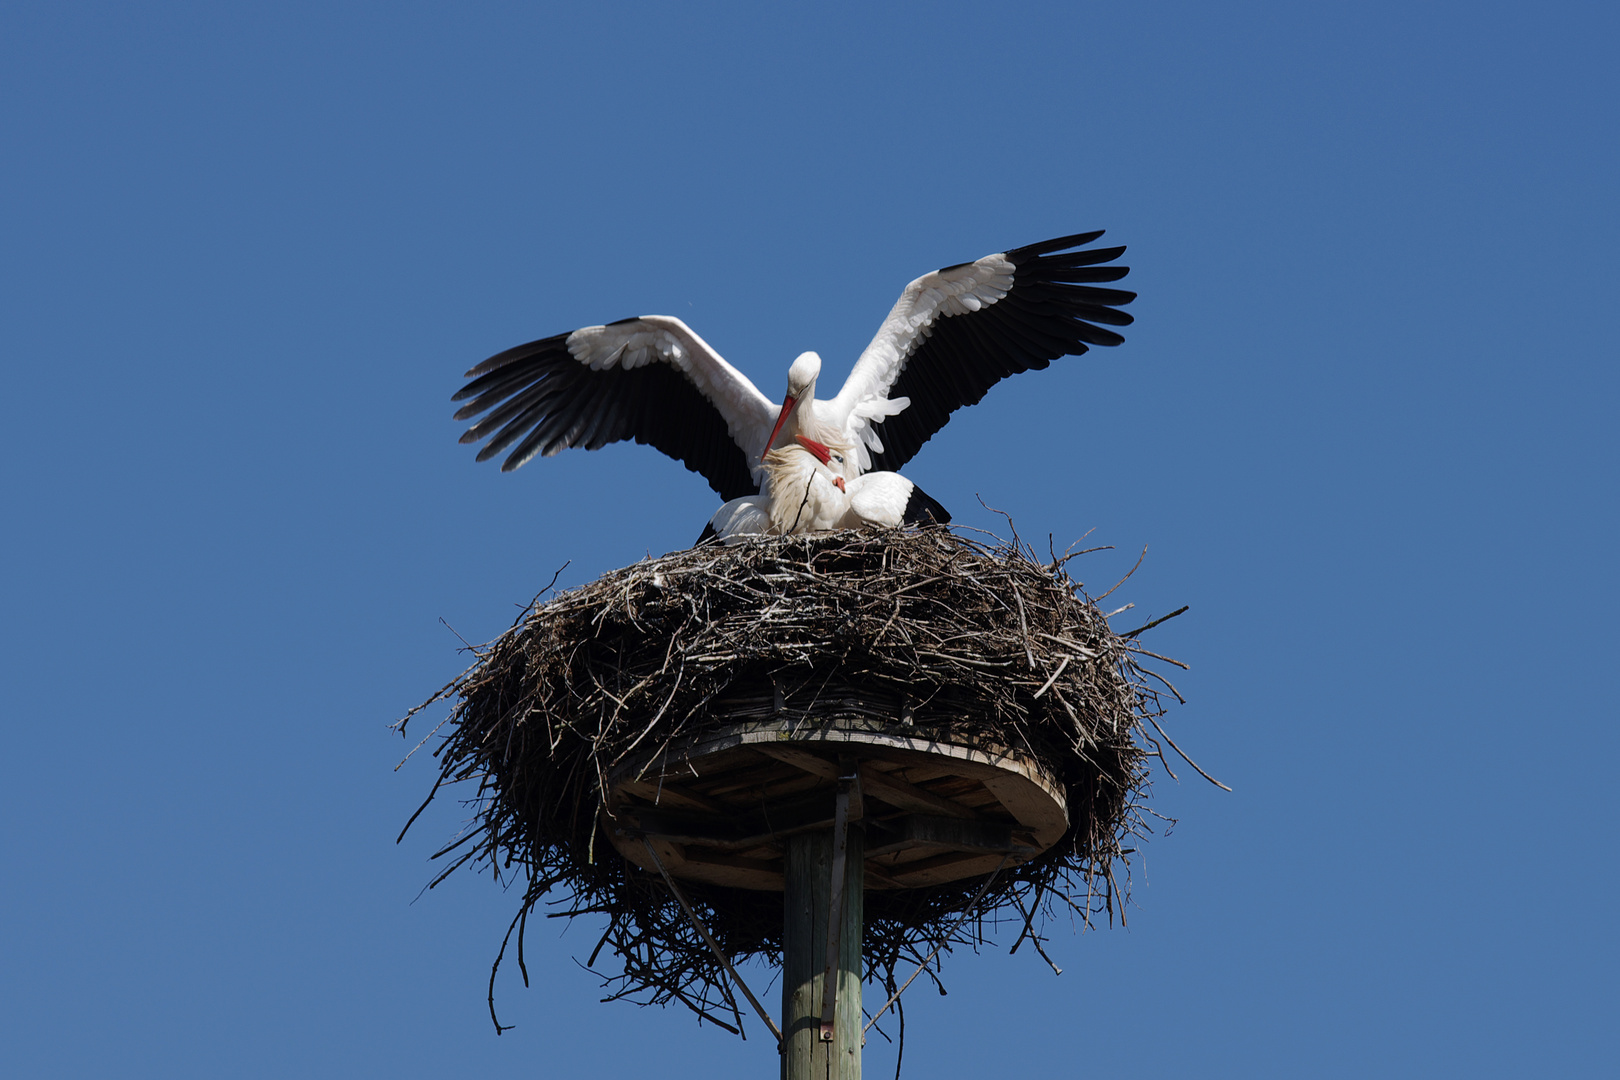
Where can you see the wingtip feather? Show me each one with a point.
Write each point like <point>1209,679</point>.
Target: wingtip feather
<point>1057,243</point>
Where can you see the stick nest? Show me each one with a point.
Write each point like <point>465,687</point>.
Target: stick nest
<point>983,641</point>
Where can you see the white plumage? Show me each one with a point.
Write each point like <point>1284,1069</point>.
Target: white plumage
<point>805,492</point>
<point>952,335</point>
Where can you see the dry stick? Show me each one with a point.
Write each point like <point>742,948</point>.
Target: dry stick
<point>1124,579</point>
<point>530,605</point>
<point>1053,679</point>
<point>1034,938</point>
<point>713,945</point>
<point>1148,626</point>
<point>944,938</point>
<point>1156,656</point>
<point>1184,756</point>
<point>802,502</point>
<point>1028,919</point>
<point>1024,626</point>
<point>1138,668</point>
<point>426,737</point>
<point>1058,564</point>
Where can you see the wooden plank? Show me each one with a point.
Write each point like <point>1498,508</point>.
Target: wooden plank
<point>635,852</point>
<point>760,777</point>
<point>813,764</point>
<point>884,846</point>
<point>919,774</point>
<point>733,832</point>
<point>916,830</point>
<point>1031,807</point>
<point>732,877</point>
<point>949,867</point>
<point>897,793</point>
<point>696,856</point>
<point>877,876</point>
<point>674,796</point>
<point>680,828</point>
<point>967,792</point>
<point>796,784</point>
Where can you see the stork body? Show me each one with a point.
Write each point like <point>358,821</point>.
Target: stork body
<point>806,492</point>
<point>888,500</point>
<point>952,335</point>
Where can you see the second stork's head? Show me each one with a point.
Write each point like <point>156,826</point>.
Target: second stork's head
<point>832,457</point>
<point>801,388</point>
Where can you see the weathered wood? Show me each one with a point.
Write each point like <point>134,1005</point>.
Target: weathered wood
<point>659,794</point>
<point>915,830</point>
<point>733,870</point>
<point>813,764</point>
<point>1030,806</point>
<point>726,803</point>
<point>807,902</point>
<point>951,866</point>
<point>738,832</point>
<point>896,792</point>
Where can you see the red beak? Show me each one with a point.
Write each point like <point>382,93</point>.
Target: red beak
<point>787,407</point>
<point>823,454</point>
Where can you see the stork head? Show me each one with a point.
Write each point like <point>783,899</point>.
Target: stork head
<point>801,385</point>
<point>833,459</point>
<point>802,375</point>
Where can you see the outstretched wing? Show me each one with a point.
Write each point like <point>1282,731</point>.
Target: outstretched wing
<point>649,379</point>
<point>957,332</point>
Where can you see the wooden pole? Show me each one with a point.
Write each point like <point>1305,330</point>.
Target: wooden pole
<point>808,902</point>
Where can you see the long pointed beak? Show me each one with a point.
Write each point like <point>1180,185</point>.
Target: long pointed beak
<point>823,454</point>
<point>787,407</point>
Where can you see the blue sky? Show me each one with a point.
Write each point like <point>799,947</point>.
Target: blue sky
<point>1364,424</point>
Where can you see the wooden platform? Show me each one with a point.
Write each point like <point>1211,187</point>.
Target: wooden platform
<point>718,809</point>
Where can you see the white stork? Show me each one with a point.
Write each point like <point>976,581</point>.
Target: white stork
<point>951,336</point>
<point>805,491</point>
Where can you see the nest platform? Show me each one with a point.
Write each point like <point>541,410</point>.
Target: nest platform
<point>990,724</point>
<point>719,808</point>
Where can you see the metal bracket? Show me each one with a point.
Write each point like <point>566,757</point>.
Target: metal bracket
<point>847,808</point>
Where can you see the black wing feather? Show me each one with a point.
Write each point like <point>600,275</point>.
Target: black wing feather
<point>1052,310</point>
<point>923,509</point>
<point>544,400</point>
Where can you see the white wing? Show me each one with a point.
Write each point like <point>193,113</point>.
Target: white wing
<point>956,332</point>
<point>650,379</point>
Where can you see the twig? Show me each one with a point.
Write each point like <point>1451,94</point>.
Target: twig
<point>713,945</point>
<point>1023,625</point>
<point>1123,580</point>
<point>1034,938</point>
<point>1053,679</point>
<point>924,965</point>
<point>1161,619</point>
<point>1184,756</point>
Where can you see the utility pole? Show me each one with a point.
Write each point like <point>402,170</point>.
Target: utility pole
<point>812,1050</point>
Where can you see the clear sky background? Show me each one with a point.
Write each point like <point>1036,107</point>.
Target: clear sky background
<point>1365,423</point>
